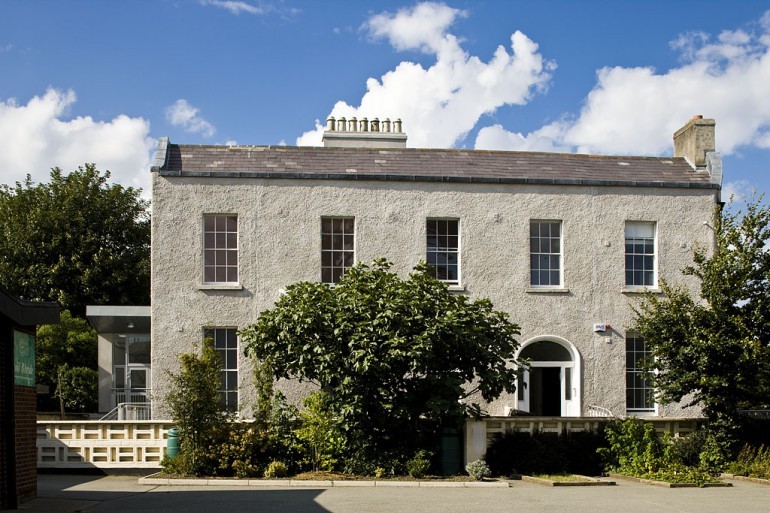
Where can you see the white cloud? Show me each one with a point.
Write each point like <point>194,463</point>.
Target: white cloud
<point>185,115</point>
<point>637,110</point>
<point>737,192</point>
<point>441,104</point>
<point>420,28</point>
<point>236,6</point>
<point>37,136</point>
<point>545,139</point>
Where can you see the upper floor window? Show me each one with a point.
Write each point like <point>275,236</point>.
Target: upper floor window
<point>220,249</point>
<point>545,253</point>
<point>337,247</point>
<point>640,394</point>
<point>226,343</point>
<point>640,254</point>
<point>443,249</point>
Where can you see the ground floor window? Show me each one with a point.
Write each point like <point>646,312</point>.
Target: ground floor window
<point>226,343</point>
<point>640,395</point>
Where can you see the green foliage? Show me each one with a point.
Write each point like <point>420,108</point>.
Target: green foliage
<point>635,449</point>
<point>478,470</point>
<point>76,240</point>
<point>77,388</point>
<point>569,452</point>
<point>417,466</point>
<point>393,355</point>
<point>714,351</point>
<point>238,449</point>
<point>319,431</point>
<point>276,469</point>
<point>196,409</point>
<point>73,343</point>
<point>752,462</point>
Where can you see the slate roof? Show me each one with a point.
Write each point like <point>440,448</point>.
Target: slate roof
<point>425,165</point>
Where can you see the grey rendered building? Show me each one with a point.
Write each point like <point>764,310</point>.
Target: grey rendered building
<point>562,242</point>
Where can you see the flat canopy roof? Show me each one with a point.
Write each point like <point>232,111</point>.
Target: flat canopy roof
<point>27,313</point>
<point>119,319</point>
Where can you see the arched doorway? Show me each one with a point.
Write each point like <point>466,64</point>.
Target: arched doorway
<point>550,387</point>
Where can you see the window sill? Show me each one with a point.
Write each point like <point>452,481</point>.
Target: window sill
<point>456,288</point>
<point>545,290</point>
<point>640,290</point>
<point>220,286</point>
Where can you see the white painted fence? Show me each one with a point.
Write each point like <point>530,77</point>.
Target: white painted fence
<point>101,444</point>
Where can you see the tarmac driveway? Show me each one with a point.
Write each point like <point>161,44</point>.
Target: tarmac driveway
<point>122,494</point>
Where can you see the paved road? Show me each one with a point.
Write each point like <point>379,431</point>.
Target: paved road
<point>122,494</point>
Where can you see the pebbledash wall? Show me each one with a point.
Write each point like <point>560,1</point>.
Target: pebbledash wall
<point>281,194</point>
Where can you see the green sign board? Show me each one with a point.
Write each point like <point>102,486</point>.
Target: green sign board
<point>23,359</point>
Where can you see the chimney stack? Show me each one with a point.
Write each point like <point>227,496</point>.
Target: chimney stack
<point>694,140</point>
<point>363,133</point>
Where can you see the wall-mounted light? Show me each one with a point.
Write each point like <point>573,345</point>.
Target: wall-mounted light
<point>130,325</point>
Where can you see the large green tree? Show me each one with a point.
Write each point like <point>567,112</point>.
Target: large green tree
<point>714,348</point>
<point>76,240</point>
<point>64,354</point>
<point>396,357</point>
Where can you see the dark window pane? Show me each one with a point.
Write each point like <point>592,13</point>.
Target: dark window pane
<point>326,258</point>
<point>348,242</point>
<point>232,258</point>
<point>348,259</point>
<point>452,227</point>
<point>534,229</point>
<point>208,241</point>
<point>232,223</point>
<point>535,277</point>
<point>349,225</point>
<point>326,242</point>
<point>232,274</point>
<point>208,223</point>
<point>554,278</point>
<point>220,224</point>
<point>326,275</point>
<point>220,240</point>
<point>232,240</point>
<point>326,225</point>
<point>556,230</point>
<point>208,257</point>
<point>338,225</point>
<point>336,274</point>
<point>221,274</point>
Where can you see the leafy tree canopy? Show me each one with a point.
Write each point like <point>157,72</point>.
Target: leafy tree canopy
<point>715,348</point>
<point>392,354</point>
<point>71,344</point>
<point>77,240</point>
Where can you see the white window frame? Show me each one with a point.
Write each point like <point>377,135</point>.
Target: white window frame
<point>219,244</point>
<point>227,355</point>
<point>631,233</point>
<point>537,254</point>
<point>634,372</point>
<point>445,251</point>
<point>328,255</point>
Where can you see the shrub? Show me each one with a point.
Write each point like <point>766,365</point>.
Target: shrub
<point>276,469</point>
<point>752,462</point>
<point>516,452</point>
<point>196,409</point>
<point>239,449</point>
<point>418,466</point>
<point>478,470</point>
<point>319,432</point>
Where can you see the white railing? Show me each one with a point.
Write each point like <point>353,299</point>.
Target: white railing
<point>130,395</point>
<point>101,444</point>
<point>130,411</point>
<point>598,411</point>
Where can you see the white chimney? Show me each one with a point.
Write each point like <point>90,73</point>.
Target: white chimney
<point>366,133</point>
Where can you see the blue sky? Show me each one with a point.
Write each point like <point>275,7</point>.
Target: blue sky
<point>90,81</point>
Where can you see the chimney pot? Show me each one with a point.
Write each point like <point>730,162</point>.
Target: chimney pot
<point>385,125</point>
<point>397,125</point>
<point>342,124</point>
<point>352,125</point>
<point>375,125</point>
<point>363,125</point>
<point>330,124</point>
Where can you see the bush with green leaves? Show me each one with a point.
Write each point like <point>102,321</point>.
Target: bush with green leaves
<point>77,388</point>
<point>635,449</point>
<point>239,449</point>
<point>396,355</point>
<point>195,407</point>
<point>752,462</point>
<point>276,469</point>
<point>418,465</point>
<point>478,470</point>
<point>319,432</point>
<point>572,452</point>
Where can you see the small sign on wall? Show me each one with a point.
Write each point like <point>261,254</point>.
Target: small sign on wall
<point>23,359</point>
<point>601,327</point>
